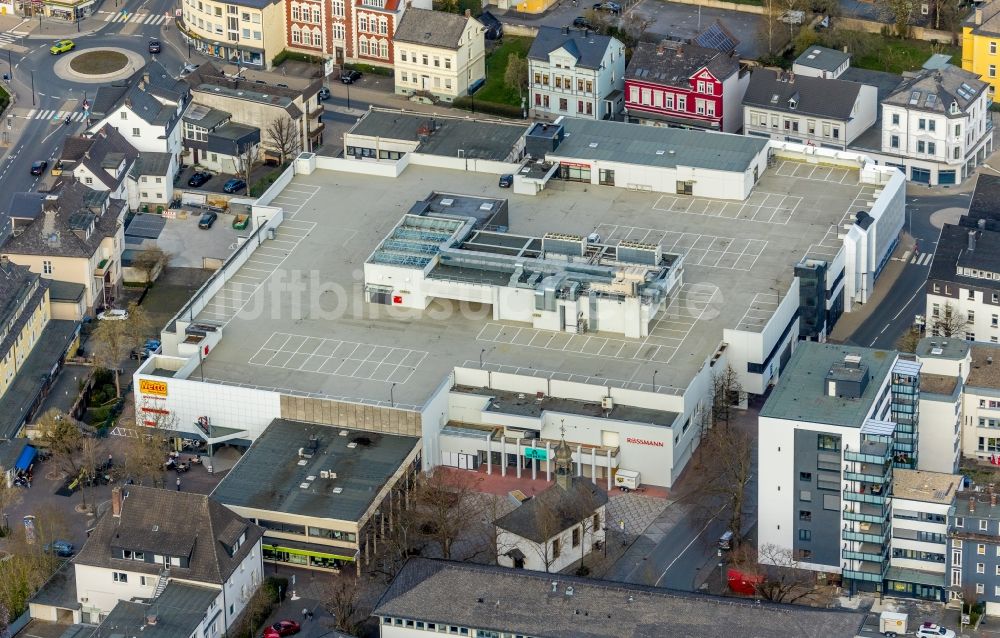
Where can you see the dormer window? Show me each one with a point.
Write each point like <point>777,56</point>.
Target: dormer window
<point>954,107</point>
<point>792,103</point>
<point>130,555</point>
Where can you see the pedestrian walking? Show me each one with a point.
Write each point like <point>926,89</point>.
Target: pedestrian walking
<point>178,484</point>
<point>305,614</point>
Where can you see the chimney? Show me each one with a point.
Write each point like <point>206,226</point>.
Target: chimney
<point>972,503</point>
<point>972,240</point>
<point>978,18</point>
<point>993,500</point>
<point>116,502</point>
<point>468,13</point>
<point>151,619</point>
<point>981,224</point>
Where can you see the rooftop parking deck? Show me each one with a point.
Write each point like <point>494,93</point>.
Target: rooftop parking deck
<point>295,318</point>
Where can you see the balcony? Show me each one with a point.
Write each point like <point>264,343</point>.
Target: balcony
<point>870,473</point>
<point>871,552</point>
<point>102,268</point>
<point>869,572</point>
<point>867,533</point>
<point>863,512</point>
<point>876,452</point>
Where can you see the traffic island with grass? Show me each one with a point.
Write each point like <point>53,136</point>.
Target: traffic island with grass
<point>98,62</point>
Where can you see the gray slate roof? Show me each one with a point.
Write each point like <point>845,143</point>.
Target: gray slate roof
<point>674,63</point>
<point>833,98</point>
<point>432,28</point>
<point>179,610</point>
<point>206,78</point>
<point>948,84</point>
<point>140,92</point>
<point>150,522</point>
<point>801,395</point>
<point>621,142</point>
<point>105,147</point>
<point>51,233</point>
<point>990,24</point>
<point>19,288</point>
<point>822,58</point>
<point>268,475</point>
<point>523,602</point>
<point>152,163</point>
<point>587,47</point>
<point>554,510</point>
<point>953,251</point>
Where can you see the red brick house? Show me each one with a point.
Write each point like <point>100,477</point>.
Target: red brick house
<point>344,30</point>
<point>685,85</point>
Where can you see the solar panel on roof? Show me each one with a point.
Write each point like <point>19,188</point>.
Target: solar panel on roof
<point>715,38</point>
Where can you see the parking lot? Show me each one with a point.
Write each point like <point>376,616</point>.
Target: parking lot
<point>188,245</point>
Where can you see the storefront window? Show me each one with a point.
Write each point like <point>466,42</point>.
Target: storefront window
<point>575,172</point>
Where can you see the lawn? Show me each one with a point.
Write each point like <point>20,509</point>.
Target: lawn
<point>98,62</point>
<point>877,52</point>
<point>494,90</point>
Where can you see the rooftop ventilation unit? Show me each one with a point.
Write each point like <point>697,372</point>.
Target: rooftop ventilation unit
<point>447,201</point>
<point>338,490</point>
<point>344,433</point>
<point>352,445</point>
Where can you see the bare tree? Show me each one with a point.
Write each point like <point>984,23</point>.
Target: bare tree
<point>633,26</point>
<point>446,507</point>
<point>151,262</point>
<point>283,135</point>
<point>769,34</point>
<point>61,435</point>
<point>555,513</point>
<point>113,340</point>
<point>724,466</point>
<point>777,575</point>
<point>516,74</point>
<point>28,565</point>
<point>727,391</point>
<point>245,159</point>
<point>599,21</point>
<point>549,525</point>
<point>908,341</point>
<point>949,322</point>
<point>343,599</point>
<point>144,454</point>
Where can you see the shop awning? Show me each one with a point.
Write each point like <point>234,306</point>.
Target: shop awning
<point>26,458</point>
<point>304,549</point>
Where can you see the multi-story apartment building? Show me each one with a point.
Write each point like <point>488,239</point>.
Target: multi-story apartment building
<point>24,313</point>
<point>346,31</point>
<point>575,72</point>
<point>685,85</point>
<point>944,366</point>
<point>76,237</point>
<point>842,431</point>
<point>974,559</point>
<point>439,53</point>
<point>936,126</point>
<point>980,44</point>
<point>921,504</point>
<point>242,32</point>
<point>824,112</point>
<point>963,286</point>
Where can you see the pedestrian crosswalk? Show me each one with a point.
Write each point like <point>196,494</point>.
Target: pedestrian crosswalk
<point>136,18</point>
<point>7,38</point>
<point>922,259</point>
<point>51,114</point>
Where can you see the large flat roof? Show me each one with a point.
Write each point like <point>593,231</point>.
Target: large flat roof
<point>443,135</point>
<point>739,260</point>
<point>801,395</point>
<point>560,606</point>
<point>657,146</point>
<point>273,476</point>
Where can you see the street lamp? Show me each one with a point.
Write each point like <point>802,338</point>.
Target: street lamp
<point>348,95</point>
<point>32,88</point>
<point>481,353</point>
<point>392,400</point>
<point>654,379</point>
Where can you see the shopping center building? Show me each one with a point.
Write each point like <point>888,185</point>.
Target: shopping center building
<point>403,297</point>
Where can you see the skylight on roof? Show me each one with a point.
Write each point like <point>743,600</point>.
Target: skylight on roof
<point>914,97</point>
<point>592,145</point>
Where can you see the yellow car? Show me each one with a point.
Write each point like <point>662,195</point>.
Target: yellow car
<point>62,46</point>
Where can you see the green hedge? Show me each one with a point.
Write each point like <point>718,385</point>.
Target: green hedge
<point>370,68</point>
<point>294,55</point>
<point>491,108</point>
<point>4,98</point>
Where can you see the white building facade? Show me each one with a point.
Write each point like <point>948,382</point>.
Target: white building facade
<point>438,53</point>
<point>574,73</point>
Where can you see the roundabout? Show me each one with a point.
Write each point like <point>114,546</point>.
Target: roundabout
<point>98,65</point>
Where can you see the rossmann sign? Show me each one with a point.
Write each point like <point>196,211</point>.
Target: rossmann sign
<point>637,441</point>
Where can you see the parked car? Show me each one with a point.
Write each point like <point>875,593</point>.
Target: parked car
<point>930,630</point>
<point>151,347</point>
<point>582,22</point>
<point>349,76</point>
<point>114,314</point>
<point>234,185</point>
<point>324,93</point>
<point>199,178</point>
<point>494,28</point>
<point>61,46</point>
<point>62,549</point>
<point>189,68</point>
<point>207,220</point>
<point>37,168</point>
<point>506,181</point>
<point>282,628</point>
<point>793,17</point>
<point>609,6</point>
<point>154,46</point>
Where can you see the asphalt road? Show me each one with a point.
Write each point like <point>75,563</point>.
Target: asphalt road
<point>33,73</point>
<point>893,316</point>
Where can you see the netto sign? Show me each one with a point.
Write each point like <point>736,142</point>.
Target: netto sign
<point>155,388</point>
